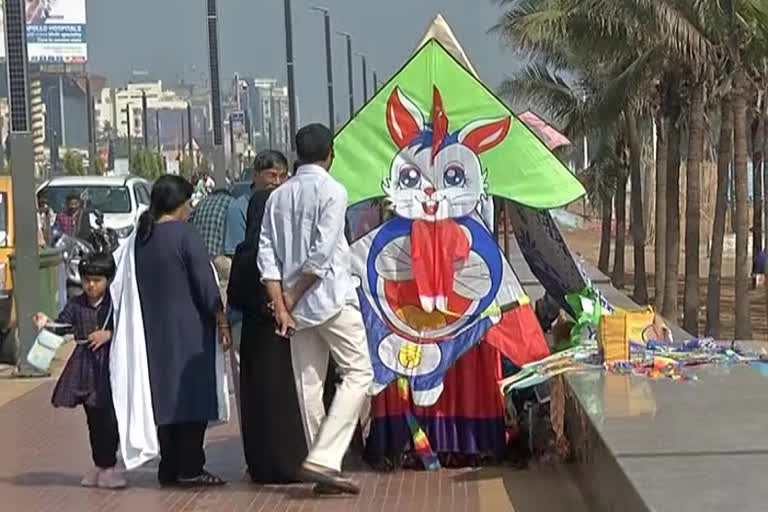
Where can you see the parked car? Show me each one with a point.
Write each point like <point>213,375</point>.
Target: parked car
<point>121,199</point>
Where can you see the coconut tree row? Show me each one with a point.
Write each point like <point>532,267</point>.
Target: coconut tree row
<point>615,71</point>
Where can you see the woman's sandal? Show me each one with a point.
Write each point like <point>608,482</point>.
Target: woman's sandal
<point>204,479</point>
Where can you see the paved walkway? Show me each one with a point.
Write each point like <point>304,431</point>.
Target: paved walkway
<point>44,450</point>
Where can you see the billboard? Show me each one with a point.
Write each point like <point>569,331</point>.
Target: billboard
<point>239,135</point>
<point>55,31</point>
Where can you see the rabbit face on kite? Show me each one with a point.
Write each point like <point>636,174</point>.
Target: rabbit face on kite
<point>437,174</point>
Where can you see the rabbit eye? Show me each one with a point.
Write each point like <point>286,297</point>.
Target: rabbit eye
<point>410,177</point>
<point>454,176</point>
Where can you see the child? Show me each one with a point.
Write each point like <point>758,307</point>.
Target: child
<point>85,379</point>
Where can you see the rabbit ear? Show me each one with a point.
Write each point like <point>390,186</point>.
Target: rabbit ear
<point>404,119</point>
<point>481,136</point>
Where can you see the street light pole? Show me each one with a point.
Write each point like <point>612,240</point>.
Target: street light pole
<point>144,118</point>
<point>365,78</point>
<point>189,131</point>
<point>128,124</point>
<point>231,143</point>
<point>329,68</point>
<point>26,292</point>
<point>91,127</point>
<point>375,83</point>
<point>219,165</point>
<point>349,74</point>
<point>183,139</point>
<point>290,66</point>
<point>157,130</point>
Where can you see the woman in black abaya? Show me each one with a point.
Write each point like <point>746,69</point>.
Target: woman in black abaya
<point>273,434</point>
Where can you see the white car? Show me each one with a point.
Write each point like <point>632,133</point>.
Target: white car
<point>122,199</point>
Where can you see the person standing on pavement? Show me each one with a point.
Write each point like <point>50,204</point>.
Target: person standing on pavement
<point>270,170</point>
<point>44,221</point>
<point>210,219</point>
<point>181,310</point>
<point>304,261</point>
<point>85,378</point>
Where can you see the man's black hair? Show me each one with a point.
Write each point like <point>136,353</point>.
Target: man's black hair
<point>74,197</point>
<point>314,143</point>
<point>269,159</point>
<point>100,264</point>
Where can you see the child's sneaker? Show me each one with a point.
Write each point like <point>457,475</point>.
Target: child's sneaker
<point>111,479</point>
<point>91,478</point>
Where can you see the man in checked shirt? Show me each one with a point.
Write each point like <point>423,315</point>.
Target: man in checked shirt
<point>210,218</point>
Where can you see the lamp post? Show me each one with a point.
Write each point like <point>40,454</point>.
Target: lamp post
<point>219,165</point>
<point>144,118</point>
<point>365,77</point>
<point>189,132</point>
<point>27,297</point>
<point>291,83</point>
<point>375,83</point>
<point>349,73</point>
<point>91,127</point>
<point>328,67</point>
<point>157,130</point>
<point>128,127</point>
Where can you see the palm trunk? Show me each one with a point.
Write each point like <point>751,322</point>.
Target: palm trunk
<point>672,258</point>
<point>757,187</point>
<point>693,211</point>
<point>621,231</point>
<point>636,206</point>
<point>724,150</point>
<point>743,320</point>
<point>764,147</point>
<point>603,262</point>
<point>660,256</point>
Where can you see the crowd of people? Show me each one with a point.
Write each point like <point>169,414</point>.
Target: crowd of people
<point>267,273</point>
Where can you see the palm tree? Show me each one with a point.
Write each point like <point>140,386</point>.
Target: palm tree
<point>659,263</point>
<point>636,205</point>
<point>724,150</point>
<point>679,42</point>
<point>742,269</point>
<point>672,111</point>
<point>696,138</point>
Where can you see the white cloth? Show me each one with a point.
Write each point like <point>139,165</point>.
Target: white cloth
<point>303,233</point>
<point>344,337</point>
<point>129,369</point>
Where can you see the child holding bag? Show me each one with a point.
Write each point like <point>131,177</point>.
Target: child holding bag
<point>85,378</point>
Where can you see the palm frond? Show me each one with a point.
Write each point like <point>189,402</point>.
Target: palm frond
<point>547,91</point>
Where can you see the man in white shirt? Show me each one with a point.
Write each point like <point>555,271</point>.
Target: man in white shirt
<point>305,264</point>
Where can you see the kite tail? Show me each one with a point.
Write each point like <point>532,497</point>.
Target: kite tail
<point>420,441</point>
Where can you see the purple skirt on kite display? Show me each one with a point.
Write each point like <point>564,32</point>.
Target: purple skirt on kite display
<point>465,427</point>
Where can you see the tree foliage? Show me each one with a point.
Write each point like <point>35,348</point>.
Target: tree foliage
<point>610,70</point>
<point>147,163</point>
<point>73,164</point>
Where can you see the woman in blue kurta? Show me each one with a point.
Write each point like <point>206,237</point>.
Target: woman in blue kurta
<point>181,308</point>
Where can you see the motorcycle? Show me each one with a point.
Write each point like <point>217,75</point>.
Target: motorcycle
<point>91,240</point>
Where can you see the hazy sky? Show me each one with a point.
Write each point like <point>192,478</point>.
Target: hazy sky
<point>168,38</point>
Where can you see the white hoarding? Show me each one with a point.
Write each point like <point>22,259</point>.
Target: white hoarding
<point>56,31</point>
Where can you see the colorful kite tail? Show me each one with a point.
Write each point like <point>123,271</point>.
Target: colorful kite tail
<point>420,440</point>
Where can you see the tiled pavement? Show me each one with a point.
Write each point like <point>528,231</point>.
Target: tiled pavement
<point>44,450</point>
